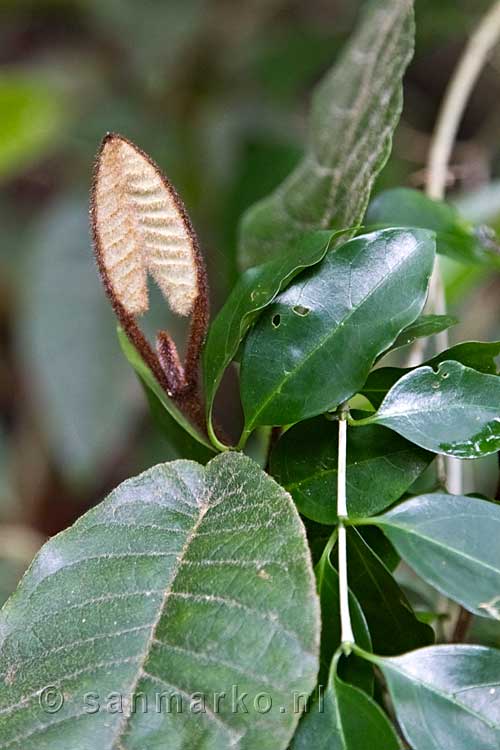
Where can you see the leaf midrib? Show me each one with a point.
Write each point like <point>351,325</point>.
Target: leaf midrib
<point>410,532</point>
<point>141,671</point>
<point>334,333</point>
<point>446,696</point>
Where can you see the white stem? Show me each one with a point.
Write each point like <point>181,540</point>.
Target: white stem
<point>475,55</point>
<point>347,636</point>
<point>341,474</point>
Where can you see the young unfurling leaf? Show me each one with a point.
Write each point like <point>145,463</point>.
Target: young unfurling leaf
<point>141,227</point>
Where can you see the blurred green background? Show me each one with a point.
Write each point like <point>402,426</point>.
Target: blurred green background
<point>217,92</point>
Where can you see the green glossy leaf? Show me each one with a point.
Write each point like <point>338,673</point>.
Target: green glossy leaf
<point>151,384</point>
<point>446,697</point>
<point>392,623</point>
<point>86,401</point>
<point>480,355</point>
<point>165,589</point>
<point>380,467</point>
<point>451,541</point>
<point>454,410</point>
<point>345,719</point>
<point>255,290</point>
<point>354,670</point>
<point>314,346</point>
<point>354,112</point>
<point>422,327</point>
<point>455,236</point>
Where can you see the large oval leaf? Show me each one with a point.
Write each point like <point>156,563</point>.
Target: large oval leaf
<point>380,468</point>
<point>314,346</point>
<point>446,697</point>
<point>454,410</point>
<point>452,542</point>
<point>354,112</point>
<point>184,581</point>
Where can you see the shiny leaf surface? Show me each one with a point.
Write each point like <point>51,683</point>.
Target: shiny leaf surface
<point>254,291</point>
<point>347,719</point>
<point>454,410</point>
<point>455,236</point>
<point>480,355</point>
<point>314,346</point>
<point>422,327</point>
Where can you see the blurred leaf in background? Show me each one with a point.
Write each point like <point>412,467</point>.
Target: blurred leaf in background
<point>85,396</point>
<point>32,115</point>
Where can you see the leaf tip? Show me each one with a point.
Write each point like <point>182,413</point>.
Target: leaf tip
<point>140,226</point>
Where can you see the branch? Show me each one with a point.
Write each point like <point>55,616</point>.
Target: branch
<point>467,72</point>
<point>473,59</point>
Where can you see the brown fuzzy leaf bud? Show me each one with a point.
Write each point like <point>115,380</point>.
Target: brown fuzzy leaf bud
<point>141,226</point>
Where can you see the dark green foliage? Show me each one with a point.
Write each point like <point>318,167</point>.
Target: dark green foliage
<point>291,576</point>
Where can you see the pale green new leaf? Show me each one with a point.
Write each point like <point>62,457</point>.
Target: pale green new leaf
<point>32,117</point>
<point>354,112</point>
<point>187,581</point>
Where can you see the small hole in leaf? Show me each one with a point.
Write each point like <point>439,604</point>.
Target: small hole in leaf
<point>301,310</point>
<point>445,375</point>
<point>276,321</point>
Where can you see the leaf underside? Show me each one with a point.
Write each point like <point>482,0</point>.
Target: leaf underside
<point>354,112</point>
<point>451,541</point>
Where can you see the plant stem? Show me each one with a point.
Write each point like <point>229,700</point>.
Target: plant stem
<point>471,63</point>
<point>457,94</point>
<point>347,636</point>
<point>467,72</point>
<point>473,59</point>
